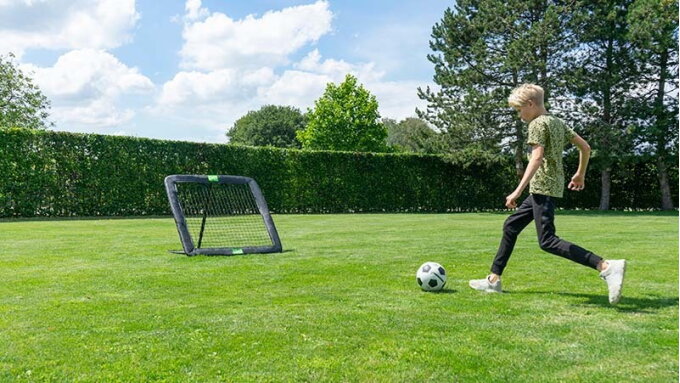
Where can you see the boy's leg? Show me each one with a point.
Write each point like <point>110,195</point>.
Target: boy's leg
<point>513,225</point>
<point>544,216</point>
<point>613,275</point>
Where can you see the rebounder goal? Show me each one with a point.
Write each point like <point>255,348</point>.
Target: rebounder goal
<point>221,215</point>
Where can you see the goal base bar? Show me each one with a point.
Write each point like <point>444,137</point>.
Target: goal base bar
<point>192,246</point>
<point>230,251</point>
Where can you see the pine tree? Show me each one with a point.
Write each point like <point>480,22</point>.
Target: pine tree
<point>482,50</point>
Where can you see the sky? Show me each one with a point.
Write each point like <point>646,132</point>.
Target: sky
<point>187,70</point>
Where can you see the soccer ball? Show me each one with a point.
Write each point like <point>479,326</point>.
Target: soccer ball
<point>431,276</point>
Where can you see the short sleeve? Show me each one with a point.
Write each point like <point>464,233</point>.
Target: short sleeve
<point>569,133</point>
<point>538,133</point>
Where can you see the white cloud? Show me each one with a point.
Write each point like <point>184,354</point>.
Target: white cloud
<point>194,10</point>
<point>295,88</point>
<point>97,113</point>
<point>234,66</point>
<point>337,69</point>
<point>86,72</point>
<point>87,87</point>
<point>65,24</point>
<point>219,42</point>
<point>312,62</point>
<point>224,85</point>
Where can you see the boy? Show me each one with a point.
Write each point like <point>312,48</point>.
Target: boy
<point>548,136</point>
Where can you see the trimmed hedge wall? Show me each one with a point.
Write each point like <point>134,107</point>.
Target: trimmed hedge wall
<point>46,173</point>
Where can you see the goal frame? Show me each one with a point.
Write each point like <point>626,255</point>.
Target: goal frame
<point>188,244</point>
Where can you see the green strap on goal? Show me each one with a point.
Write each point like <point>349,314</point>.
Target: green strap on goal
<point>213,178</point>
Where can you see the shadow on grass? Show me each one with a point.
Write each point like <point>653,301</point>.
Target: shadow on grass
<point>627,304</point>
<point>227,256</point>
<point>608,213</point>
<point>445,291</point>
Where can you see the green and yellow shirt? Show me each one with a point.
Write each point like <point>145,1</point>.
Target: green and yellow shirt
<point>553,135</point>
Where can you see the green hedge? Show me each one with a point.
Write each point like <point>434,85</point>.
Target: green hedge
<point>47,173</point>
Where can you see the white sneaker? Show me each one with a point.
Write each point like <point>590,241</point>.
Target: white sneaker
<point>613,275</point>
<point>486,285</point>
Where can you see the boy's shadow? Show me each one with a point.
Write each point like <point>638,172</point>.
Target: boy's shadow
<point>626,304</point>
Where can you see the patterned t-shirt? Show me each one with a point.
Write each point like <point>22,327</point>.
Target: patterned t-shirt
<point>553,135</point>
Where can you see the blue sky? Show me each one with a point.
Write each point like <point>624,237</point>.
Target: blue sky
<point>186,70</point>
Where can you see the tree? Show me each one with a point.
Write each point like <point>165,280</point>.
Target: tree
<point>271,125</point>
<point>483,49</point>
<point>413,135</point>
<point>654,34</point>
<point>602,78</point>
<point>345,117</point>
<point>22,104</point>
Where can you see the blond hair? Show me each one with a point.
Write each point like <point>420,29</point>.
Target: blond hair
<point>525,92</point>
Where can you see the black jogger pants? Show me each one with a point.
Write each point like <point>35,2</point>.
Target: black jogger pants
<point>540,209</point>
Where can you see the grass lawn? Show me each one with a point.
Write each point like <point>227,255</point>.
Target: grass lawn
<point>104,301</point>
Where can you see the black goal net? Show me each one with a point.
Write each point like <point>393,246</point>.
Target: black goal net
<point>221,215</point>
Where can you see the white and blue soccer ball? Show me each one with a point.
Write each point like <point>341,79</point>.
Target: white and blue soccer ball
<point>431,276</point>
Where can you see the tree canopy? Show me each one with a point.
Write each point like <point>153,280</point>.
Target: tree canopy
<point>22,104</point>
<point>271,125</point>
<point>413,135</point>
<point>345,118</point>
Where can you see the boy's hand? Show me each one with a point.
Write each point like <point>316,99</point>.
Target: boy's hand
<point>511,200</point>
<point>577,183</point>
